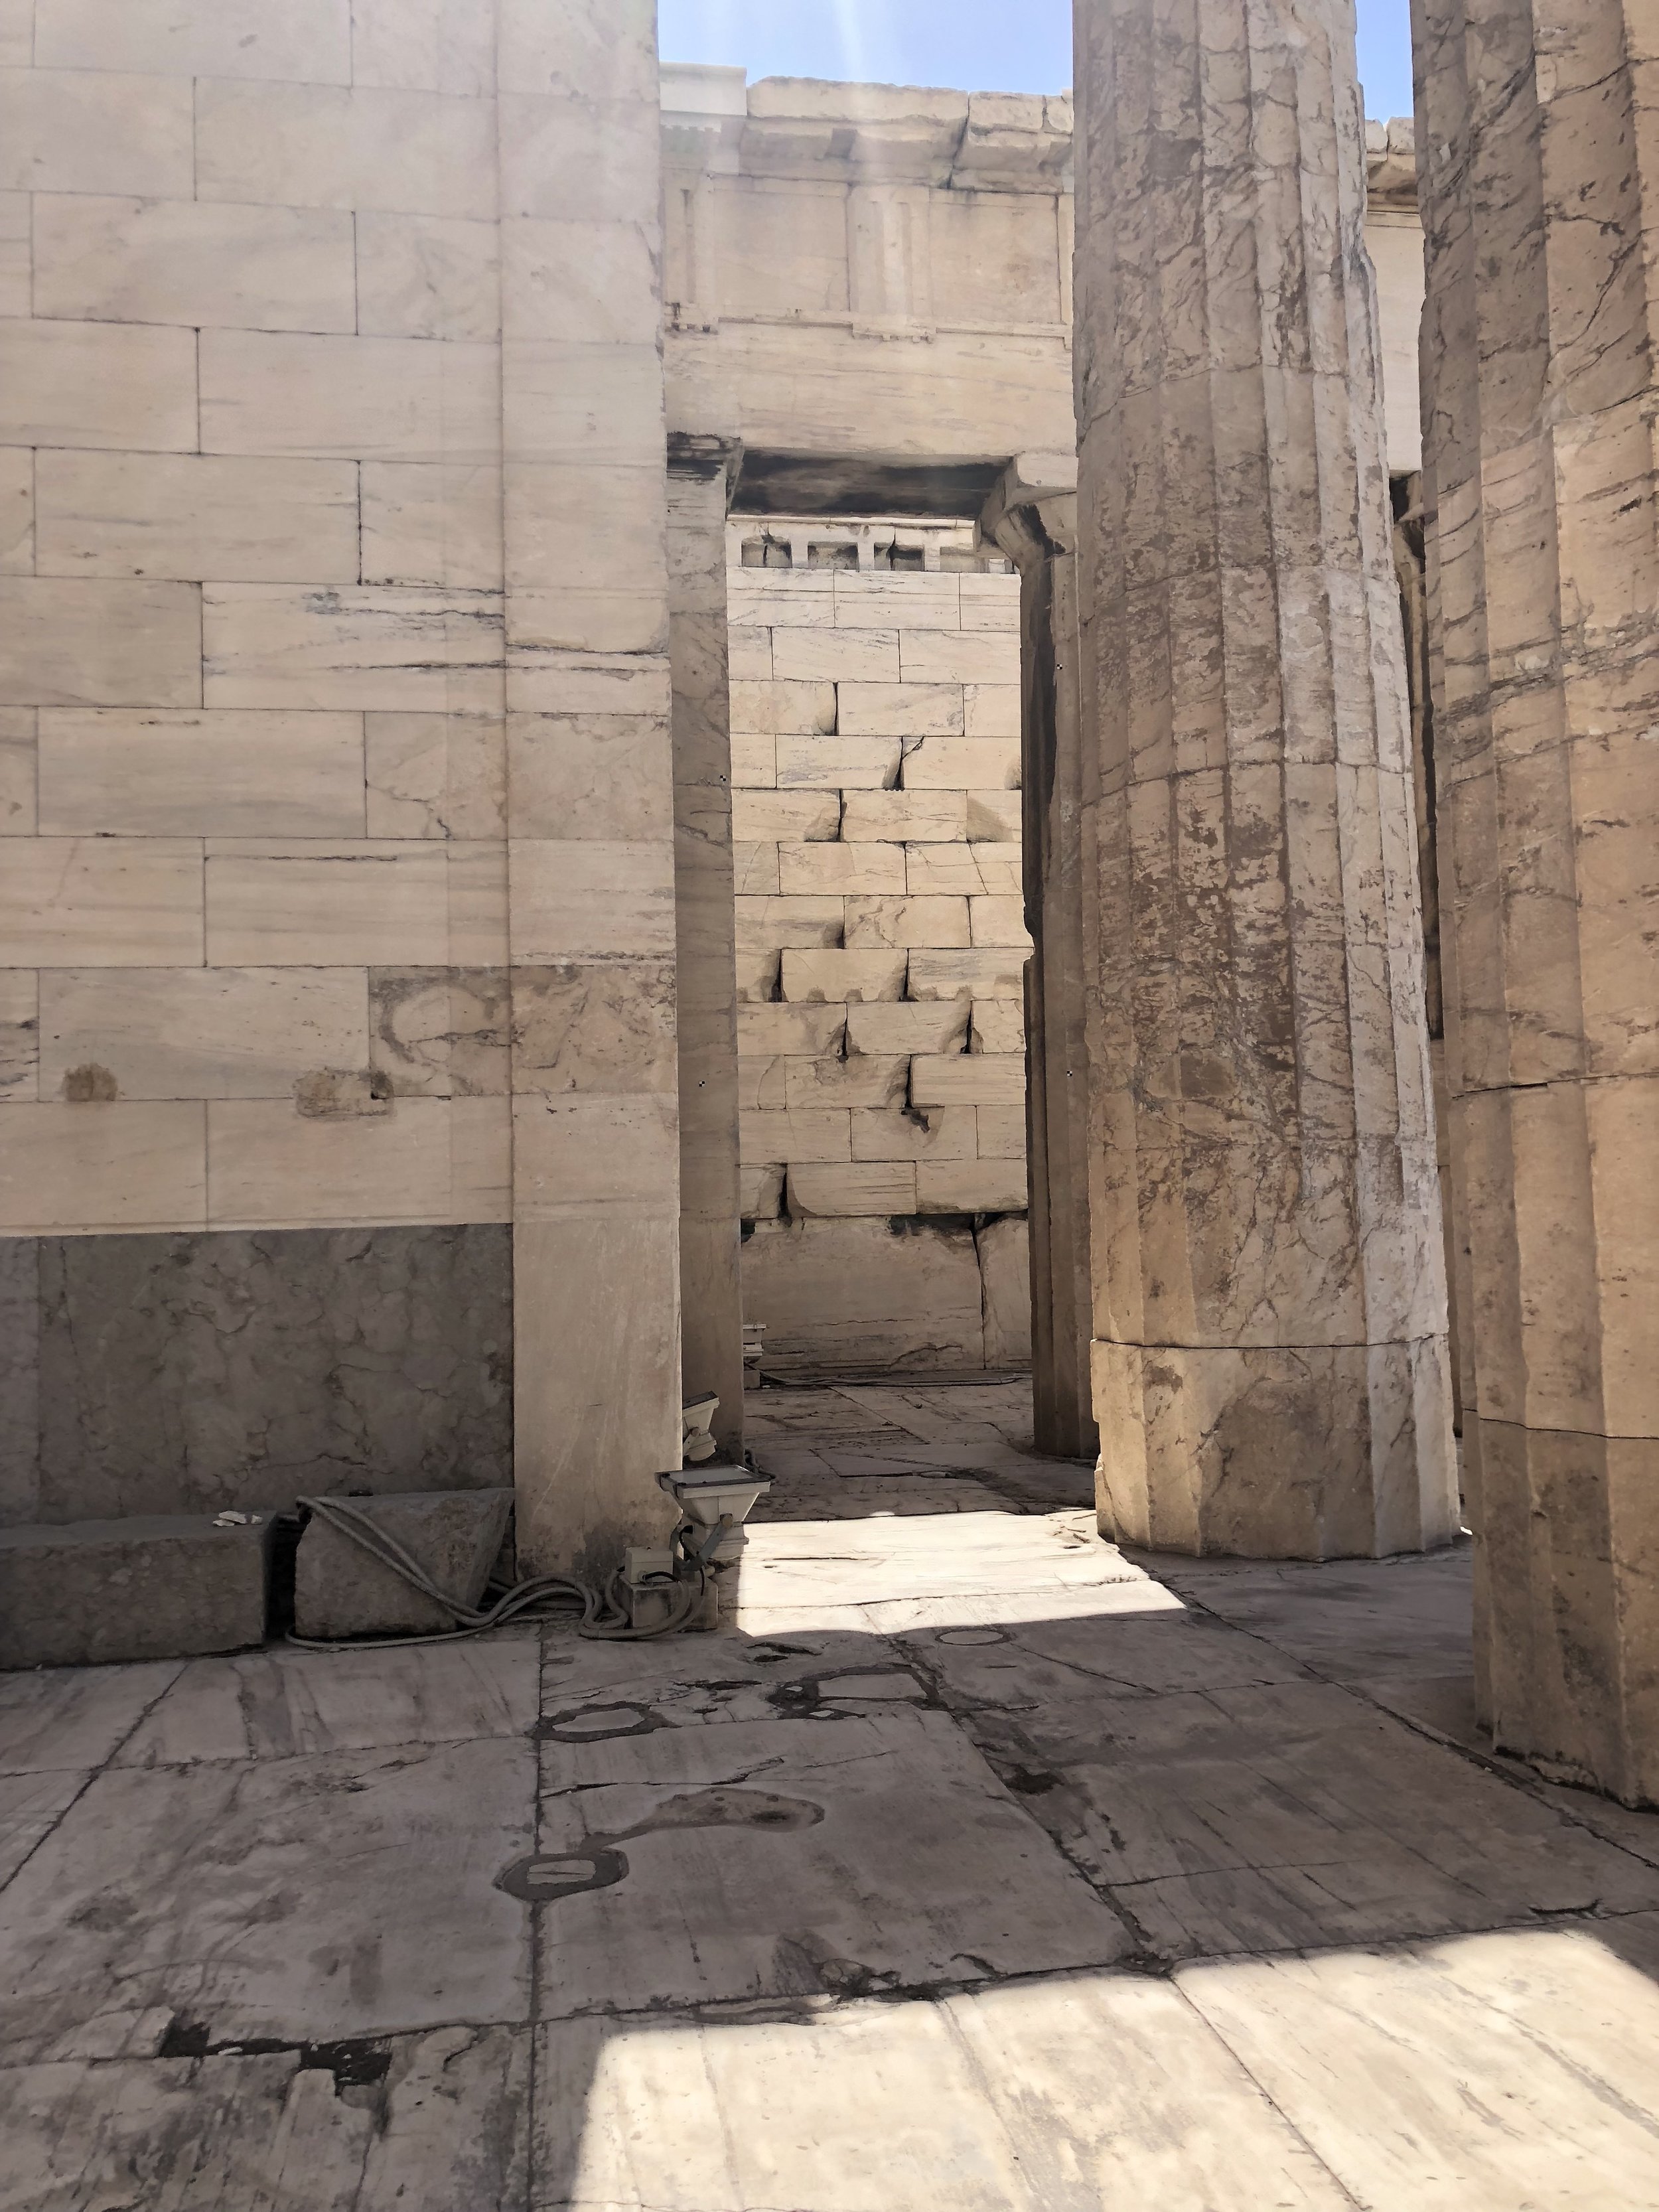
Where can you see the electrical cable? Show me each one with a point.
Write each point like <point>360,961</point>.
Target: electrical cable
<point>602,1613</point>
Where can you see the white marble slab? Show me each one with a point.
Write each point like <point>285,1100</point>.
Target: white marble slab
<point>1081,2091</point>
<point>1478,2075</point>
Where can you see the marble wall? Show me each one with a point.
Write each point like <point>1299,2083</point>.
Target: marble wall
<point>331,450</point>
<point>173,1374</point>
<point>880,935</point>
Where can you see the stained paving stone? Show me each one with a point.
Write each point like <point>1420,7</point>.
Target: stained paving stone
<point>778,1859</point>
<point>1293,1814</point>
<point>291,1898</point>
<point>990,1870</point>
<point>285,1702</point>
<point>1030,1666</point>
<point>76,1716</point>
<point>432,2122</point>
<point>1355,1620</point>
<point>31,1806</point>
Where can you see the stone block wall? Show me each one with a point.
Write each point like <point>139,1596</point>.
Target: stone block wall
<point>881,943</point>
<point>337,934</point>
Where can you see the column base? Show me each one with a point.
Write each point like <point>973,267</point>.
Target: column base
<point>1268,1453</point>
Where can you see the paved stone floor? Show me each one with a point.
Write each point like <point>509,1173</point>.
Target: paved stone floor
<point>973,1866</point>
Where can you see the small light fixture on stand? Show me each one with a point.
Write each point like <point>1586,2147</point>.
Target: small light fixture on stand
<point>696,1415</point>
<point>714,1498</point>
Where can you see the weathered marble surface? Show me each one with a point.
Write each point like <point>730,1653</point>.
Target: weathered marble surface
<point>705,1011</point>
<point>187,1374</point>
<point>912,1841</point>
<point>1543,569</point>
<point>1269,1310</point>
<point>1039,534</point>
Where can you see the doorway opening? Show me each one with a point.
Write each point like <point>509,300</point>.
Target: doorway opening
<point>881,945</point>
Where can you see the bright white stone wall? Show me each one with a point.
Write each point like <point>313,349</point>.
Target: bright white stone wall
<point>880,942</point>
<point>254,920</point>
<point>335,786</point>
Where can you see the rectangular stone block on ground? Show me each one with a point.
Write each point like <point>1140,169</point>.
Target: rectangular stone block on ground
<point>87,1593</point>
<point>340,1590</point>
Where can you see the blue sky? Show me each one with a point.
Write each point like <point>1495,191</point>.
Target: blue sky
<point>978,46</point>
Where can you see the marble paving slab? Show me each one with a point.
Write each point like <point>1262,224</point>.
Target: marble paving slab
<point>782,1859</point>
<point>283,1702</point>
<point>31,1806</point>
<point>75,1716</point>
<point>1508,2072</point>
<point>1293,1814</point>
<point>1352,1619</point>
<point>435,2122</point>
<point>1031,1667</point>
<point>1066,2095</point>
<point>295,1900</point>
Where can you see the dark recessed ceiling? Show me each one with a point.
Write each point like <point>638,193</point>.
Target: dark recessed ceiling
<point>807,484</point>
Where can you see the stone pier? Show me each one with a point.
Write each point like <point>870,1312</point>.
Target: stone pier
<point>1032,517</point>
<point>1540,159</point>
<point>590,782</point>
<point>701,471</point>
<point>1270,1366</point>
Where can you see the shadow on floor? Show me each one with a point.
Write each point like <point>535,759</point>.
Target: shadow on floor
<point>973,1864</point>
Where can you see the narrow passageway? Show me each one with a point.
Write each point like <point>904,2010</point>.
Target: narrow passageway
<point>974,1863</point>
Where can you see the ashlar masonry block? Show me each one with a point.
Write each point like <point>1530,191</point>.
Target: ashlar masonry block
<point>899,710</point>
<point>906,816</point>
<point>983,973</point>
<point>841,976</point>
<point>977,1186</point>
<point>848,656</point>
<point>785,816</point>
<point>957,763</point>
<point>810,1029</point>
<point>847,764</point>
<point>886,1188</point>
<point>780,708</point>
<point>936,1026</point>
<point>940,924</point>
<point>841,870</point>
<point>969,1078</point>
<point>126,772</point>
<point>862,1080</point>
<point>192,517</point>
<point>936,1132</point>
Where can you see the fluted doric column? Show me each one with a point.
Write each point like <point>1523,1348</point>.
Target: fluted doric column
<point>1539,165</point>
<point>1270,1366</point>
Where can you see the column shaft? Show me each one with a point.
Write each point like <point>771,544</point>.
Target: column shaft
<point>1539,152</point>
<point>1270,1366</point>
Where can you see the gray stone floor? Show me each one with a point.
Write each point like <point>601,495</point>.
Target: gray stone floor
<point>974,1865</point>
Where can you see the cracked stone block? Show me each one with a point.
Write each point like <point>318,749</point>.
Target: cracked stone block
<point>454,1535</point>
<point>87,1593</point>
